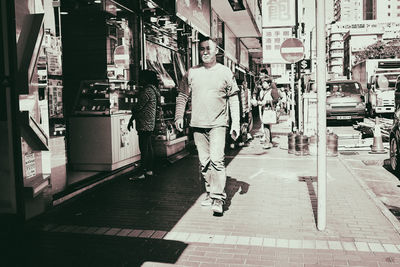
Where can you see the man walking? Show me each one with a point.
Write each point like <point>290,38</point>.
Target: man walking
<point>214,94</point>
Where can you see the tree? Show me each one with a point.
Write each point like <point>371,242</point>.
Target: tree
<point>380,50</point>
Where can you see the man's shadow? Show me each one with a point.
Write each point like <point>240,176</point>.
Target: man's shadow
<point>232,187</point>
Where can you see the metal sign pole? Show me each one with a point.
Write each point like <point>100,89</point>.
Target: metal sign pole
<point>292,115</point>
<point>321,129</point>
<point>300,109</point>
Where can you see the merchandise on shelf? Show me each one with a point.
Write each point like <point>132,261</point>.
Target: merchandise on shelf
<point>104,98</point>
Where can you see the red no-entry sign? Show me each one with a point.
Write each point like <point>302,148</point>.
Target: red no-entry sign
<point>292,50</point>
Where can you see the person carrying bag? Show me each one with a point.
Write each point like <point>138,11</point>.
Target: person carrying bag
<point>267,102</point>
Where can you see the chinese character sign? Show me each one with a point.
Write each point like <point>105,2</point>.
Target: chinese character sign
<point>278,13</point>
<point>272,39</point>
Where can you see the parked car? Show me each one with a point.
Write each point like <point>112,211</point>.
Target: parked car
<point>345,100</point>
<point>395,132</point>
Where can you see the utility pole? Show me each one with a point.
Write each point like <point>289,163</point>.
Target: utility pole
<point>321,129</point>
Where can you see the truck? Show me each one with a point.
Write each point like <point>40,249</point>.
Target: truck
<point>377,77</point>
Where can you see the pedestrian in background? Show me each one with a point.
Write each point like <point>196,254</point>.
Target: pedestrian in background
<point>144,113</point>
<point>267,100</point>
<point>214,93</point>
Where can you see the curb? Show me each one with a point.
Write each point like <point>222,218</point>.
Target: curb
<point>383,209</point>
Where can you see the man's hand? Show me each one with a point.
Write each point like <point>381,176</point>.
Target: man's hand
<point>179,125</point>
<point>130,124</point>
<point>235,131</point>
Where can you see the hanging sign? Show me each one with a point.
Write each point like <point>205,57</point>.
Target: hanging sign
<point>278,13</point>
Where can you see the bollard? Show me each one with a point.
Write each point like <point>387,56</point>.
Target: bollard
<point>291,142</point>
<point>331,145</point>
<point>301,145</point>
<point>312,145</point>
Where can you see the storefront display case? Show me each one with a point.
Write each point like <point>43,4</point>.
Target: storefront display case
<point>99,138</point>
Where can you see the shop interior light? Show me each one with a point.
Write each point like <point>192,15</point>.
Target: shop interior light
<point>63,13</point>
<point>97,1</point>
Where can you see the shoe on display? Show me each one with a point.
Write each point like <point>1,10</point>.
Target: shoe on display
<point>149,173</point>
<point>207,201</point>
<point>217,206</point>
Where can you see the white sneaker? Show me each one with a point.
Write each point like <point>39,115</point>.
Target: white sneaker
<point>149,173</point>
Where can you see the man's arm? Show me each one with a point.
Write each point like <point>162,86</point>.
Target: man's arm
<point>234,107</point>
<point>181,101</point>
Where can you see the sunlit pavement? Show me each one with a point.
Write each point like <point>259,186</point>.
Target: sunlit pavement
<point>269,218</point>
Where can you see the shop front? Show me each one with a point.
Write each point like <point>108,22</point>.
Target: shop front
<point>75,84</point>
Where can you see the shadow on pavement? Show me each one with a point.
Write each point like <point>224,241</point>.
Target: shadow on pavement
<point>311,192</point>
<point>232,187</point>
<point>62,249</point>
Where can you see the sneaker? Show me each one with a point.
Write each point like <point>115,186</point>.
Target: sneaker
<point>149,173</point>
<point>207,201</point>
<point>217,206</point>
<point>267,146</point>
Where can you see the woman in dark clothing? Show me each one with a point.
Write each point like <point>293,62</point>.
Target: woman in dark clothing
<point>144,112</point>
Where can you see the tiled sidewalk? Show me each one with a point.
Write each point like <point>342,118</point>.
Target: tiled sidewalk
<point>269,219</point>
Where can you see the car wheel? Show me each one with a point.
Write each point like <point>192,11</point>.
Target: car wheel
<point>394,155</point>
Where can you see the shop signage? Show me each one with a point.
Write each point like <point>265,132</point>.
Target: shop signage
<point>30,165</point>
<point>230,44</point>
<point>196,13</point>
<point>272,39</point>
<point>244,56</point>
<point>121,56</point>
<point>292,50</point>
<point>278,13</point>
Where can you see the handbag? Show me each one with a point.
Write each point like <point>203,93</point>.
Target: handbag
<point>269,116</point>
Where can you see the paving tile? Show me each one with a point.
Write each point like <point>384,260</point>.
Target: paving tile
<point>112,231</point>
<point>362,246</point>
<point>146,233</point>
<point>158,234</point>
<point>282,243</point>
<point>295,243</point>
<point>243,240</point>
<point>218,239</point>
<point>170,235</point>
<point>391,248</point>
<point>376,247</point>
<point>335,245</point>
<point>349,246</point>
<point>124,232</point>
<point>205,238</point>
<point>135,233</point>
<point>309,244</point>
<point>101,230</point>
<point>321,244</point>
<point>232,240</point>
<point>269,242</point>
<point>256,241</point>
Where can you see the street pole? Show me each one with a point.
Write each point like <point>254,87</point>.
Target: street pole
<point>300,107</point>
<point>321,129</point>
<point>292,115</point>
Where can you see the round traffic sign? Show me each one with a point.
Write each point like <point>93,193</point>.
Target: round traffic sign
<point>292,50</point>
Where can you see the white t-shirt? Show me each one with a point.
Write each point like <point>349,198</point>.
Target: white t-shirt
<point>210,89</point>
